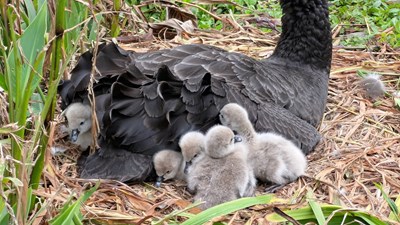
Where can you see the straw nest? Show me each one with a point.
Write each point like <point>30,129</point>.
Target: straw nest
<point>360,146</point>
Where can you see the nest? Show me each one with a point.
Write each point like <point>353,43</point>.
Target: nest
<point>360,146</point>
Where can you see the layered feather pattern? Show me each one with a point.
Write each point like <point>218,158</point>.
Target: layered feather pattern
<point>147,101</point>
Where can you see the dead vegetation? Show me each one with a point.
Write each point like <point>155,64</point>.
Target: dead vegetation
<point>361,144</point>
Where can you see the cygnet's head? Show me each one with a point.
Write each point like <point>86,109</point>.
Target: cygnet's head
<point>233,116</point>
<point>220,141</point>
<point>192,144</point>
<point>79,117</point>
<point>167,164</point>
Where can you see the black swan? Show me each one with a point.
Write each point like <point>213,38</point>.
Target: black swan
<point>146,101</point>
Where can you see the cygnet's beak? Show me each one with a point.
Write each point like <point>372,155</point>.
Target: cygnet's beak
<point>74,135</point>
<point>237,139</point>
<point>159,181</point>
<point>187,165</point>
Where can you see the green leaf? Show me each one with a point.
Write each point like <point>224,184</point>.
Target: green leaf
<point>36,104</point>
<point>14,180</point>
<point>71,214</point>
<point>316,208</point>
<point>4,215</point>
<point>393,207</point>
<point>392,214</point>
<point>229,207</point>
<point>337,213</point>
<point>31,42</point>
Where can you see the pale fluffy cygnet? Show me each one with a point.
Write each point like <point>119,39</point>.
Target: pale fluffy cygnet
<point>192,146</point>
<point>168,164</point>
<point>373,86</point>
<point>79,118</point>
<point>272,157</point>
<point>223,173</point>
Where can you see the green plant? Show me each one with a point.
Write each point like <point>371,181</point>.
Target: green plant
<point>29,37</point>
<point>370,17</point>
<point>70,213</point>
<point>218,210</point>
<point>321,214</point>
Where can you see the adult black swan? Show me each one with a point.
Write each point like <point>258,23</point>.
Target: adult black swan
<point>146,101</point>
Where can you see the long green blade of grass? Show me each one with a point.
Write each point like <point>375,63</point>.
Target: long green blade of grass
<point>337,213</point>
<point>71,214</point>
<point>394,206</point>
<point>229,207</point>
<point>316,208</point>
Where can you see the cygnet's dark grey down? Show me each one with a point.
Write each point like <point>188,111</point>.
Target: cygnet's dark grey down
<point>192,145</point>
<point>146,101</point>
<point>168,164</point>
<point>272,157</point>
<point>373,86</point>
<point>223,173</point>
<point>79,119</point>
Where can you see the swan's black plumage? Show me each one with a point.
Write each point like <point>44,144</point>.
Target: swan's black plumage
<point>146,101</point>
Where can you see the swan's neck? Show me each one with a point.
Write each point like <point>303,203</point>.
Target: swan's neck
<point>306,34</point>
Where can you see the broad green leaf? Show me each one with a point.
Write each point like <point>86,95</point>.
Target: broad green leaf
<point>229,207</point>
<point>31,42</point>
<point>36,105</point>
<point>71,214</point>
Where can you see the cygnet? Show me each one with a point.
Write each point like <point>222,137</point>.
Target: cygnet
<point>192,146</point>
<point>223,174</point>
<point>168,164</point>
<point>272,157</point>
<point>79,118</point>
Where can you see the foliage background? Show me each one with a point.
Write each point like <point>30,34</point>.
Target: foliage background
<point>40,41</point>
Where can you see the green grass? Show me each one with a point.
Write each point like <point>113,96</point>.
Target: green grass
<point>29,36</point>
<point>36,50</point>
<point>370,18</point>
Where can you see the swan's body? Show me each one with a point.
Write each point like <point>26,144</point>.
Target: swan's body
<point>223,173</point>
<point>272,157</point>
<point>146,101</point>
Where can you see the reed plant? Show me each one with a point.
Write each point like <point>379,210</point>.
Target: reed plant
<point>38,40</point>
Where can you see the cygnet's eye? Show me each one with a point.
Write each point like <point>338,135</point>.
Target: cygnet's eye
<point>195,156</point>
<point>168,172</point>
<point>82,123</point>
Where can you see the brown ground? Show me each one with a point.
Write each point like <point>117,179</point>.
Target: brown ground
<point>361,146</point>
